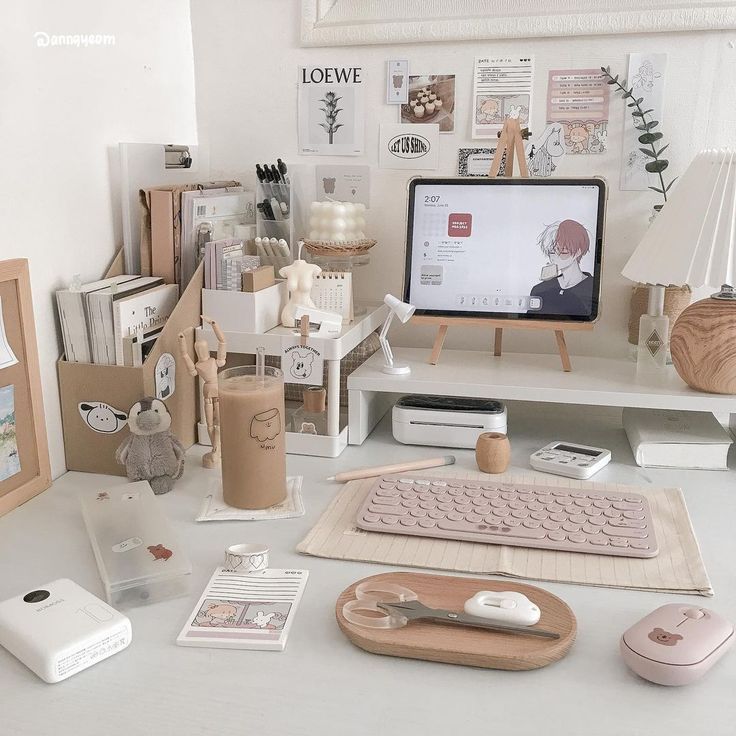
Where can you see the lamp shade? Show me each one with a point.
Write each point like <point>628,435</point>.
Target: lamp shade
<point>693,238</point>
<point>401,309</point>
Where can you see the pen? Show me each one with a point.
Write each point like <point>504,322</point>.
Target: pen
<point>434,462</point>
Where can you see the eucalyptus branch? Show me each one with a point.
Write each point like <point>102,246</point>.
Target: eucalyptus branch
<point>657,165</point>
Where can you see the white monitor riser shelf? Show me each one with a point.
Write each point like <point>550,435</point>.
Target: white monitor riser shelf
<point>596,381</point>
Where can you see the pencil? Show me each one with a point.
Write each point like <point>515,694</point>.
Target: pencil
<point>434,462</point>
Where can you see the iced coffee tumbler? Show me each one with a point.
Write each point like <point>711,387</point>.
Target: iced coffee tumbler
<point>252,437</point>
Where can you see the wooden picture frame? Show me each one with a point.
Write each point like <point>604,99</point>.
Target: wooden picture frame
<point>23,441</point>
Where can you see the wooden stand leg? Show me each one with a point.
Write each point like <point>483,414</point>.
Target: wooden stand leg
<point>562,347</point>
<point>497,341</point>
<point>439,341</point>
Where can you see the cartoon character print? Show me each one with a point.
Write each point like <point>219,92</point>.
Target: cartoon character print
<point>266,425</point>
<point>646,76</point>
<point>488,110</point>
<point>398,81</point>
<point>160,552</point>
<point>542,161</point>
<point>216,614</point>
<point>263,620</point>
<point>660,636</point>
<point>165,376</point>
<point>101,417</point>
<point>578,137</point>
<point>328,184</point>
<point>301,365</point>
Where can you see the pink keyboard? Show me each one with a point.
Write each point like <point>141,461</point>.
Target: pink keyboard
<point>547,517</point>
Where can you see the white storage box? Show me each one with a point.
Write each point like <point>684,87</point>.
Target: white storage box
<point>446,421</point>
<point>245,311</point>
<point>139,558</point>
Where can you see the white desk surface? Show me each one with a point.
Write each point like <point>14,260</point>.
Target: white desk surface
<point>322,684</point>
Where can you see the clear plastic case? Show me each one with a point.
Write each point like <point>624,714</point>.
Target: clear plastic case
<point>138,556</point>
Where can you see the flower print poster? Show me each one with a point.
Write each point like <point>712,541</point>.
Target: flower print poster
<point>502,88</point>
<point>9,460</point>
<point>331,117</point>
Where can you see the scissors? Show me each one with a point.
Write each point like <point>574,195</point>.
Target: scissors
<point>401,606</point>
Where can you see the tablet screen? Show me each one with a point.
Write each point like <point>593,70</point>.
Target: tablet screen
<point>505,248</point>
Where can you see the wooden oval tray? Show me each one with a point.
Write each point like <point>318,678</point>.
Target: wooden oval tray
<point>460,644</point>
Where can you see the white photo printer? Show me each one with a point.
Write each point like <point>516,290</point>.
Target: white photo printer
<point>446,421</point>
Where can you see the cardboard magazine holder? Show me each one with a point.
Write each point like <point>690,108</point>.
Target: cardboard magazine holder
<point>95,399</point>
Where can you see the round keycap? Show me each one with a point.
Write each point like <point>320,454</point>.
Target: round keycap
<point>599,541</point>
<point>615,498</point>
<point>554,508</point>
<point>390,520</point>
<point>483,510</point>
<point>638,544</point>
<point>596,496</point>
<point>473,494</point>
<point>508,496</point>
<point>535,506</point>
<point>577,538</point>
<point>427,523</point>
<point>422,482</point>
<point>410,504</point>
<point>559,493</point>
<point>436,515</point>
<point>578,518</point>
<point>592,512</point>
<point>454,516</point>
<point>502,512</point>
<point>491,494</point>
<point>633,499</point>
<point>551,525</point>
<point>583,502</point>
<point>517,505</point>
<point>498,503</point>
<point>445,499</point>
<point>426,496</point>
<point>611,513</point>
<point>539,515</point>
<point>385,485</point>
<point>455,492</point>
<point>404,486</point>
<point>618,542</point>
<point>591,529</point>
<point>532,524</point>
<point>633,515</point>
<point>427,505</point>
<point>371,518</point>
<point>511,522</point>
<point>598,521</point>
<point>520,514</point>
<point>454,484</point>
<point>556,536</point>
<point>386,494</point>
<point>439,483</point>
<point>408,495</point>
<point>565,501</point>
<point>480,501</point>
<point>464,508</point>
<point>472,486</point>
<point>408,521</point>
<point>473,518</point>
<point>526,497</point>
<point>568,526</point>
<point>445,506</point>
<point>602,504</point>
<point>558,517</point>
<point>545,499</point>
<point>419,513</point>
<point>577,494</point>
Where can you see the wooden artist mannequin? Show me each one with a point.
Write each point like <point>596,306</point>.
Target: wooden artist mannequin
<point>206,368</point>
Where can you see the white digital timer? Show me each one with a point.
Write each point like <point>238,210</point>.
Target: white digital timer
<point>566,458</point>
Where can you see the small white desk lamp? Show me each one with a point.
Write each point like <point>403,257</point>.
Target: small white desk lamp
<point>403,311</point>
<point>693,241</point>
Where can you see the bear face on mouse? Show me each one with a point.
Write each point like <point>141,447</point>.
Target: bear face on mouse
<point>660,636</point>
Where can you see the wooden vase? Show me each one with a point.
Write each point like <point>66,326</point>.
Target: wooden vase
<point>492,452</point>
<point>703,346</point>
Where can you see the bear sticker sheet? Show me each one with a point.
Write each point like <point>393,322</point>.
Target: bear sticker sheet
<point>238,611</point>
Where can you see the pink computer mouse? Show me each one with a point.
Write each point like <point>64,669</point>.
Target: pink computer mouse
<point>676,644</point>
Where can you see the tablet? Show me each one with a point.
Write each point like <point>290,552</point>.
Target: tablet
<point>505,248</point>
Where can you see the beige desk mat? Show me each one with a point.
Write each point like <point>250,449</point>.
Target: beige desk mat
<point>678,568</point>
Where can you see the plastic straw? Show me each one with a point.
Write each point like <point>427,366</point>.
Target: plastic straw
<point>260,362</point>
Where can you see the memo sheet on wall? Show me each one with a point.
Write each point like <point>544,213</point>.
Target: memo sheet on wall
<point>678,568</point>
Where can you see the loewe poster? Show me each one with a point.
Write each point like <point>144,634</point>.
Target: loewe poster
<point>331,121</point>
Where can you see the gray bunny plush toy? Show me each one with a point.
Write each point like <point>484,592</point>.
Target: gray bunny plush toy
<point>151,452</point>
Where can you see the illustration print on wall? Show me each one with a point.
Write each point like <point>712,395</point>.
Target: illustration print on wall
<point>431,100</point>
<point>331,121</point>
<point>9,460</point>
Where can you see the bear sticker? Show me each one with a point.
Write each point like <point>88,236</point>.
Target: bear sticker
<point>102,418</point>
<point>660,636</point>
<point>266,425</point>
<point>301,365</point>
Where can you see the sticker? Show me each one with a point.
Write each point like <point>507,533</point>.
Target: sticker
<point>160,552</point>
<point>165,376</point>
<point>128,544</point>
<point>397,82</point>
<point>343,183</point>
<point>546,153</point>
<point>406,146</point>
<point>302,364</point>
<point>101,417</point>
<point>431,100</point>
<point>474,161</point>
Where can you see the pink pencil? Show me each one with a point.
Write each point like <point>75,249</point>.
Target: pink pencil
<point>434,462</point>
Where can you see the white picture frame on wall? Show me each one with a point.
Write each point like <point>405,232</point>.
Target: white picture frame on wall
<point>351,22</point>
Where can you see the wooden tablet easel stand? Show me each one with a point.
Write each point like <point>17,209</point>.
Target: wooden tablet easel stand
<point>511,143</point>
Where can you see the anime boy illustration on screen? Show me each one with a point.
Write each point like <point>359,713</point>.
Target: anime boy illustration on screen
<point>567,289</point>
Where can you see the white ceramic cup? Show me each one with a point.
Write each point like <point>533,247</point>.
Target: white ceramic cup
<point>246,559</point>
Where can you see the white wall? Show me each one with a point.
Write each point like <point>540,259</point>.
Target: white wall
<point>63,110</point>
<point>246,58</point>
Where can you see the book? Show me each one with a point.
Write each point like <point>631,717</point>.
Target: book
<point>74,317</point>
<point>667,438</point>
<point>142,312</point>
<point>238,611</point>
<point>101,320</point>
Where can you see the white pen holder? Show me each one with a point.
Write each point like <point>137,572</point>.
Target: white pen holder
<point>279,198</point>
